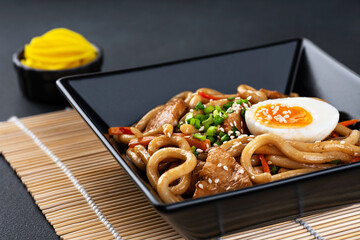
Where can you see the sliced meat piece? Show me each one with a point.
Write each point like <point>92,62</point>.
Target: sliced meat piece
<point>221,173</point>
<point>169,114</point>
<point>194,178</point>
<point>273,94</point>
<point>236,120</point>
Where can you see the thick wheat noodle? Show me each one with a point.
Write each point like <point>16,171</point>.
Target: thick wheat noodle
<point>292,173</point>
<point>141,125</point>
<point>342,130</point>
<point>188,129</point>
<point>286,162</point>
<point>331,145</point>
<point>136,132</point>
<point>163,141</point>
<point>171,175</point>
<point>236,146</point>
<point>124,138</point>
<point>194,100</point>
<point>168,129</point>
<point>246,91</point>
<point>135,158</point>
<point>142,153</point>
<point>287,150</point>
<point>183,95</point>
<point>217,102</point>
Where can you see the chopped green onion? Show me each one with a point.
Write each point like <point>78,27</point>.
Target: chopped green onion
<point>274,169</point>
<point>218,107</point>
<point>195,122</point>
<point>208,121</point>
<point>193,149</point>
<point>336,161</point>
<point>199,106</point>
<point>228,105</point>
<point>217,143</point>
<point>209,109</point>
<point>212,139</point>
<point>189,116</point>
<point>225,138</point>
<point>218,120</point>
<point>241,101</point>
<point>199,136</point>
<point>179,125</point>
<point>211,131</point>
<point>221,134</point>
<point>224,115</point>
<point>216,113</point>
<point>234,129</point>
<point>243,112</point>
<point>230,98</point>
<point>231,111</point>
<point>202,117</point>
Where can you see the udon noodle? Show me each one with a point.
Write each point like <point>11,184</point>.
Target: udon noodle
<point>198,144</point>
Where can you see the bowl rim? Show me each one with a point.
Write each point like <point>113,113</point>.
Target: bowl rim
<point>16,61</point>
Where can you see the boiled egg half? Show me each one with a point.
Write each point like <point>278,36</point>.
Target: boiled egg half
<point>300,118</point>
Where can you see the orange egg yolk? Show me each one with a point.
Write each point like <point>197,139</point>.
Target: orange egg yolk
<point>282,116</point>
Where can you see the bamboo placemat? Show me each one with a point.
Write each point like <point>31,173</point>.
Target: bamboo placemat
<point>85,194</point>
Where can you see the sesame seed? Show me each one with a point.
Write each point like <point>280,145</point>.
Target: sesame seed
<point>201,128</point>
<point>230,132</point>
<point>232,137</point>
<point>356,153</point>
<point>251,136</point>
<point>242,171</point>
<point>225,168</point>
<point>225,141</point>
<point>211,100</point>
<point>231,124</point>
<point>270,162</point>
<point>227,188</point>
<point>191,110</point>
<point>286,116</point>
<point>216,180</point>
<point>342,142</point>
<point>219,165</point>
<point>209,180</point>
<point>201,186</point>
<point>317,141</point>
<point>199,150</point>
<point>249,97</point>
<point>252,177</point>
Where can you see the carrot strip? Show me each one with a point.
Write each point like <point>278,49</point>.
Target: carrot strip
<point>264,163</point>
<point>141,141</point>
<point>349,122</point>
<point>356,159</point>
<point>334,135</point>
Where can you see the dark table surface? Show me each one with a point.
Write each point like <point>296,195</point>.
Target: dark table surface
<point>135,33</point>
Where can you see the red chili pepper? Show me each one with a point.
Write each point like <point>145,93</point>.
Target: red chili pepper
<point>208,96</point>
<point>120,131</point>
<point>264,163</point>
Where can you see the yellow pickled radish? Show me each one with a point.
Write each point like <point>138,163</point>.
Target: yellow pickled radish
<point>59,48</point>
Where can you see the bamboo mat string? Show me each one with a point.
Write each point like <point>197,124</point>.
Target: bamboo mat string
<point>69,175</point>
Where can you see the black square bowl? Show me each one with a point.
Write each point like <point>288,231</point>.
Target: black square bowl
<point>120,98</point>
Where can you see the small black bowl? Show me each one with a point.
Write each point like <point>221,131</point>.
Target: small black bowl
<point>40,85</point>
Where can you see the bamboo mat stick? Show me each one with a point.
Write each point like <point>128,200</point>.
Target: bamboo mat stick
<point>118,198</point>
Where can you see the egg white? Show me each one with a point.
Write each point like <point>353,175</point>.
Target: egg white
<point>324,120</point>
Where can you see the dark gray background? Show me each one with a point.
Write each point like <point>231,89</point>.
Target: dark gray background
<point>135,33</point>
